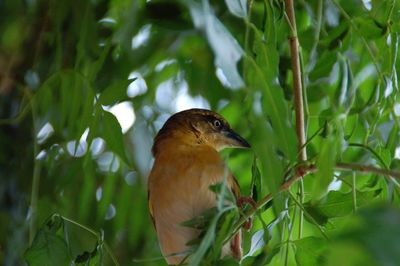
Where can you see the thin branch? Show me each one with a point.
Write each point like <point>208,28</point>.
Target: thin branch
<point>302,171</point>
<point>297,80</point>
<point>367,169</point>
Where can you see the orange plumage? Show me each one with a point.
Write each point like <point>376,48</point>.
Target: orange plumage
<point>186,163</point>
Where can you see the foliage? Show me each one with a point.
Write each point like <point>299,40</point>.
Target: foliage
<point>67,67</point>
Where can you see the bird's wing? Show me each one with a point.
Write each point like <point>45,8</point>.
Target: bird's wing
<point>235,187</point>
<point>151,209</point>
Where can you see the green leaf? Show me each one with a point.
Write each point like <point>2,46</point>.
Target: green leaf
<point>325,163</point>
<point>201,221</point>
<point>271,166</point>
<point>93,257</point>
<point>225,227</point>
<point>48,248</point>
<point>206,242</point>
<point>310,251</point>
<point>112,133</point>
<point>257,242</point>
<point>264,258</point>
<point>338,204</point>
<point>256,181</point>
<point>369,28</point>
<point>226,49</point>
<point>116,92</point>
<point>264,70</point>
<point>372,234</point>
<point>210,237</point>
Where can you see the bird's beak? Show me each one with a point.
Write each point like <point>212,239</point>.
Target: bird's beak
<point>235,140</point>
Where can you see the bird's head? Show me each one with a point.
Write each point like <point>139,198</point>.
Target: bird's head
<point>200,126</point>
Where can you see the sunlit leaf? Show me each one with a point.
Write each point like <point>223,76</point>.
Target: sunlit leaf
<point>111,131</point>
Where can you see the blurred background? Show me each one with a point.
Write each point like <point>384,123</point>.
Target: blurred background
<point>86,85</point>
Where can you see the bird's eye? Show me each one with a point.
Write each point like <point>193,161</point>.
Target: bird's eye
<point>217,123</point>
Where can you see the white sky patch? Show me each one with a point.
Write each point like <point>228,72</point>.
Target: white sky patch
<point>397,153</point>
<point>124,113</point>
<point>111,212</point>
<point>130,178</point>
<point>185,101</point>
<point>165,94</point>
<point>174,96</point>
<point>138,86</point>
<point>336,184</point>
<point>222,103</point>
<point>108,162</point>
<point>97,146</point>
<point>257,106</point>
<point>164,64</point>
<point>160,120</point>
<point>221,76</point>
<point>396,108</point>
<point>142,37</point>
<point>42,154</point>
<point>78,150</point>
<point>107,21</point>
<point>99,193</point>
<point>389,40</point>
<point>367,4</point>
<point>147,112</point>
<point>44,133</point>
<point>389,88</point>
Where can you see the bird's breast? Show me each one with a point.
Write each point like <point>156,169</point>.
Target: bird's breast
<point>181,184</point>
<point>179,191</point>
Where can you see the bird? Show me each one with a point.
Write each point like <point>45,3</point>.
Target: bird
<point>186,163</point>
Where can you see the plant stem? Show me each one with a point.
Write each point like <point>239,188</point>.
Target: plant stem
<point>311,169</point>
<point>35,177</point>
<point>301,214</point>
<point>367,169</point>
<point>298,99</point>
<point>297,80</point>
<point>354,192</point>
<point>97,235</point>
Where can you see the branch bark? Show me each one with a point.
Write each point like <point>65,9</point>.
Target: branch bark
<point>297,81</point>
<point>302,171</point>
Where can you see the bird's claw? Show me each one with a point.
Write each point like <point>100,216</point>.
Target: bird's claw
<point>241,202</point>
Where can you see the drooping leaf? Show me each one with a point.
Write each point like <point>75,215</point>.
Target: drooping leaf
<point>310,251</point>
<point>48,247</point>
<point>116,92</point>
<point>325,162</point>
<point>338,204</point>
<point>226,49</point>
<point>111,131</point>
<point>256,181</point>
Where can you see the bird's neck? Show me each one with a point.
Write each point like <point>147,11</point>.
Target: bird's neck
<point>176,141</point>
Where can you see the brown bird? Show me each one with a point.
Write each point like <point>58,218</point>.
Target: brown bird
<point>186,163</point>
